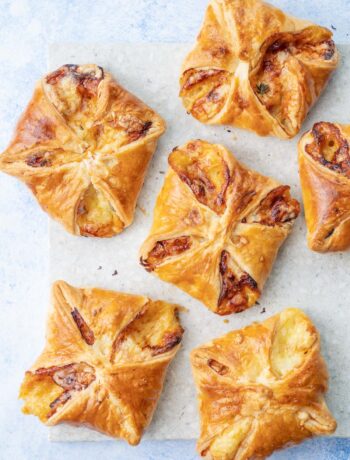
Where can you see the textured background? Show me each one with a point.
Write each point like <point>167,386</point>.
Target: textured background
<point>26,27</point>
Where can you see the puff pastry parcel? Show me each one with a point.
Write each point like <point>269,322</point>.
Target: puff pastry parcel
<point>83,146</point>
<point>217,227</point>
<point>261,388</point>
<point>104,362</point>
<point>324,168</point>
<point>256,68</point>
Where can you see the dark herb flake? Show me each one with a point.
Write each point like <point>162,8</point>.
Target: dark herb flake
<point>262,88</point>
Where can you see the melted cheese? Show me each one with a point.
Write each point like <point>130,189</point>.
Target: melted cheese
<point>204,92</point>
<point>95,215</point>
<point>38,393</point>
<point>154,330</point>
<point>292,341</point>
<point>226,445</point>
<point>201,166</point>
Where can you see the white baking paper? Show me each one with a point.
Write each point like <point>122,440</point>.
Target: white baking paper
<point>318,283</point>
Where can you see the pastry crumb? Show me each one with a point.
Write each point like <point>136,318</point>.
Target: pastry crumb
<point>143,210</point>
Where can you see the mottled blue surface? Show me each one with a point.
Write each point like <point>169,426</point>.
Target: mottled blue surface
<point>26,27</point>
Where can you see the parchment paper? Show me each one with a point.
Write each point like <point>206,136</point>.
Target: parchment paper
<point>318,283</point>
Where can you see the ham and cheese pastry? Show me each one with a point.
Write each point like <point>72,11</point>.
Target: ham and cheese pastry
<point>83,146</point>
<point>217,227</point>
<point>256,68</point>
<point>261,388</point>
<point>324,168</point>
<point>104,362</point>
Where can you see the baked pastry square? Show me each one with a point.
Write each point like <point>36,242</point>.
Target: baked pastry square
<point>83,146</point>
<point>256,68</point>
<point>104,362</point>
<point>261,388</point>
<point>324,168</point>
<point>217,227</point>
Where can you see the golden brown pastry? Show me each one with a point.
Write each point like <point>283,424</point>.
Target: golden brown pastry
<point>324,168</point>
<point>217,227</point>
<point>261,388</point>
<point>104,362</point>
<point>256,68</point>
<point>83,146</point>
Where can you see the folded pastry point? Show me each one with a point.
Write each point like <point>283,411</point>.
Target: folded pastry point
<point>261,388</point>
<point>104,362</point>
<point>256,68</point>
<point>324,168</point>
<point>217,227</point>
<point>83,146</point>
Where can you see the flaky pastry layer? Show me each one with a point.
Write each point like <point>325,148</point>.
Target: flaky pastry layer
<point>104,362</point>
<point>261,388</point>
<point>324,168</point>
<point>256,68</point>
<point>82,146</point>
<point>217,227</point>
